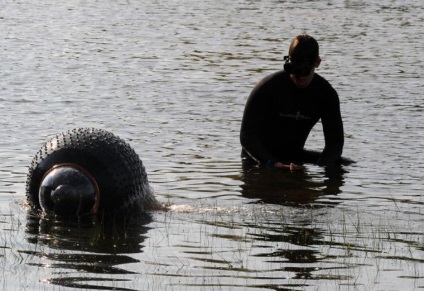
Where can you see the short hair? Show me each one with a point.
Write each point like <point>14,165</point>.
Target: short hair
<point>304,47</point>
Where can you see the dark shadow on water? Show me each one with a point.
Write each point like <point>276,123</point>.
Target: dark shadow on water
<point>93,246</point>
<point>295,188</point>
<point>298,189</point>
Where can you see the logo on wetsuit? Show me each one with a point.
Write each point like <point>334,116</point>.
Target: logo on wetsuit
<point>297,116</point>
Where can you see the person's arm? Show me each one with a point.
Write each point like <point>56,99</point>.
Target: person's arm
<point>253,123</point>
<point>333,131</point>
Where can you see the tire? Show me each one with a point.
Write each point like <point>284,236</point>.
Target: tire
<point>120,175</point>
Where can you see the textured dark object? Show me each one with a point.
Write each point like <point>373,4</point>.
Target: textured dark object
<point>116,168</point>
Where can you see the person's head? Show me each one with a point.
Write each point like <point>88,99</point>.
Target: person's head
<point>302,60</point>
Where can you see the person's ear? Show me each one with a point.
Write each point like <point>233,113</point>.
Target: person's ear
<point>317,62</point>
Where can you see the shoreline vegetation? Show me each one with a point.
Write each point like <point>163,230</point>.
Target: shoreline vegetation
<point>292,247</point>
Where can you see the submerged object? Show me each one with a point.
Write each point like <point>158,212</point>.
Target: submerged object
<point>88,170</point>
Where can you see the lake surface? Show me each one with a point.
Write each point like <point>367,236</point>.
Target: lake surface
<point>172,78</point>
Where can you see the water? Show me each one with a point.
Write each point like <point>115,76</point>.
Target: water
<point>172,78</point>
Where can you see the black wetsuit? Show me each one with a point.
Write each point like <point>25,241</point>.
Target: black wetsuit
<point>279,117</point>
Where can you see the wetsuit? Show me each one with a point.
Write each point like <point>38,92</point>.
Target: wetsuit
<point>278,118</point>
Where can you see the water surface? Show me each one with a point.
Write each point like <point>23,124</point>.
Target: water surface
<point>172,78</point>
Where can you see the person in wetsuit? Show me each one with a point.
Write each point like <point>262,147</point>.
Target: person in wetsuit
<point>283,108</point>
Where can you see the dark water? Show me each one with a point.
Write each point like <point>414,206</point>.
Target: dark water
<point>172,78</point>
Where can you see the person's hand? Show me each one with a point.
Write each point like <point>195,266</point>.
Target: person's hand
<point>291,166</point>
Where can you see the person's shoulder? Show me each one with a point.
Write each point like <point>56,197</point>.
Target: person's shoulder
<point>322,81</point>
<point>324,84</point>
<point>273,77</point>
<point>276,75</point>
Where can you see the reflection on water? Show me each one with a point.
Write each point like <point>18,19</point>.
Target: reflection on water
<point>296,188</point>
<point>90,245</point>
<point>301,261</point>
<point>118,234</point>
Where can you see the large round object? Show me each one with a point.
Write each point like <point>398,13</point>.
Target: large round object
<point>86,171</point>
